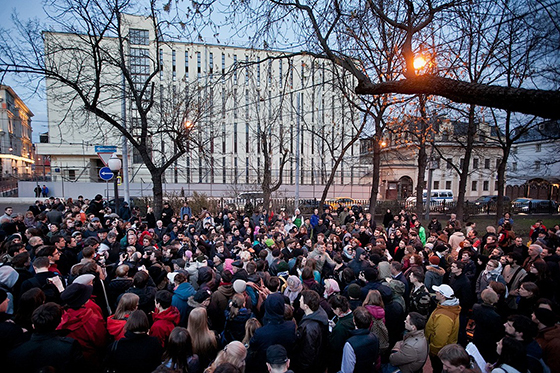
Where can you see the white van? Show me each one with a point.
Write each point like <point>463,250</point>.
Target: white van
<point>438,195</point>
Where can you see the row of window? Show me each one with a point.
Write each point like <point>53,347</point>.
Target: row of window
<point>475,163</point>
<point>474,185</point>
<point>538,148</point>
<point>536,166</point>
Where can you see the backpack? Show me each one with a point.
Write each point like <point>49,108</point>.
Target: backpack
<point>378,328</point>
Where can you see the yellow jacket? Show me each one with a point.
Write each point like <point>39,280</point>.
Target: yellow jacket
<point>442,327</point>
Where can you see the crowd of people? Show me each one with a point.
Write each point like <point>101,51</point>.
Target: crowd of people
<point>86,289</point>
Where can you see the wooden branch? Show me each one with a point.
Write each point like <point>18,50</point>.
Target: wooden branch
<point>541,103</point>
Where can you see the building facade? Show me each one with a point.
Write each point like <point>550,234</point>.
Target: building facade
<point>254,102</point>
<point>534,163</point>
<point>16,148</point>
<point>399,155</point>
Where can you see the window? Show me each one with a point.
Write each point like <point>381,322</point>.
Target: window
<point>445,136</point>
<point>224,139</point>
<point>436,184</point>
<point>246,104</point>
<point>448,184</point>
<point>235,68</point>
<point>538,148</point>
<point>223,66</point>
<point>475,163</point>
<point>498,161</point>
<point>139,37</point>
<point>269,77</point>
<point>280,72</point>
<point>246,70</point>
<point>223,103</point>
<point>485,185</point>
<point>258,71</point>
<point>514,166</point>
<point>211,63</point>
<point>496,185</point>
<point>487,163</point>
<point>235,103</point>
<point>235,137</point>
<point>514,150</point>
<point>474,185</point>
<point>537,165</point>
<point>187,65</point>
<point>174,64</point>
<point>161,63</point>
<point>247,148</point>
<point>461,163</point>
<point>449,164</point>
<point>139,66</point>
<point>71,174</point>
<point>198,64</point>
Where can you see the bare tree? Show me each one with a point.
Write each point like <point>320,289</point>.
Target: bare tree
<point>89,62</point>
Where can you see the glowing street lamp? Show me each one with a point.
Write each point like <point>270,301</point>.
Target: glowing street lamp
<point>188,125</point>
<point>419,62</point>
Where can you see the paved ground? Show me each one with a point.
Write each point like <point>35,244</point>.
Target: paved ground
<point>20,205</point>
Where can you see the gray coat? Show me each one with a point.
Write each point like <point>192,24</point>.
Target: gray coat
<point>412,354</point>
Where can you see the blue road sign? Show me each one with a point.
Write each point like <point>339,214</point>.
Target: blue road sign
<point>105,173</point>
<point>105,149</point>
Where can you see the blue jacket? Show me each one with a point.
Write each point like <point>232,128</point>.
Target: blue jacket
<point>180,299</point>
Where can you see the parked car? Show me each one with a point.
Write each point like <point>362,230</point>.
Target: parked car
<point>489,200</point>
<point>530,205</point>
<point>308,206</point>
<point>340,201</point>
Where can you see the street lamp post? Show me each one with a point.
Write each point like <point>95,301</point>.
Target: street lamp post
<point>115,166</point>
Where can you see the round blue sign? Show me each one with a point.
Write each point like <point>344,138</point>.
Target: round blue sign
<point>105,173</point>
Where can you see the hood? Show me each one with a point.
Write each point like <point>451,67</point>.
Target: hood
<point>114,326</point>
<point>74,319</point>
<point>171,315</point>
<point>397,287</point>
<point>359,251</point>
<point>184,291</point>
<point>459,234</point>
<point>227,290</point>
<point>450,302</point>
<point>320,316</point>
<point>376,311</point>
<point>384,270</point>
<point>204,274</point>
<point>8,276</point>
<point>435,269</point>
<point>274,308</point>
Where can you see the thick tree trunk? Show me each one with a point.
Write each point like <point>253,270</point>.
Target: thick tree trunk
<point>157,189</point>
<point>464,173</point>
<point>375,176</point>
<point>529,101</point>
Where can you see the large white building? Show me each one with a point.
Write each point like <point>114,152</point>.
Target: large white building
<point>534,163</point>
<point>247,93</point>
<point>16,149</point>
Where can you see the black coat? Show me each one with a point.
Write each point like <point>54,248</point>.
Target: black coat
<point>310,351</point>
<point>463,291</point>
<point>135,353</point>
<point>47,350</point>
<point>488,331</point>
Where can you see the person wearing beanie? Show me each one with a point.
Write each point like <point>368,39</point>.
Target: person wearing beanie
<point>434,273</point>
<point>83,323</point>
<point>219,301</point>
<point>442,327</point>
<point>548,337</point>
<point>354,296</point>
<point>8,278</point>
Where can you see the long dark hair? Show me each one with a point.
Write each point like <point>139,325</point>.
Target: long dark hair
<point>513,354</point>
<point>179,349</point>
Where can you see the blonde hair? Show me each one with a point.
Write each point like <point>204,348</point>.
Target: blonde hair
<point>250,326</point>
<point>127,304</point>
<point>234,353</point>
<point>203,339</point>
<point>373,298</point>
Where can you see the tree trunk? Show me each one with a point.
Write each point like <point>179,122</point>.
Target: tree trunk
<point>506,147</point>
<point>375,175</point>
<point>422,158</point>
<point>157,189</point>
<point>464,173</point>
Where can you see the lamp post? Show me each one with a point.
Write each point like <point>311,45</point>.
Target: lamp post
<point>115,166</point>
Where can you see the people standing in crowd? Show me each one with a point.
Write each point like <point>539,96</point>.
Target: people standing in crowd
<point>257,275</point>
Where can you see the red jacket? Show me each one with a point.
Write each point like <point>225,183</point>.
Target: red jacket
<point>115,327</point>
<point>88,328</point>
<point>164,322</point>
